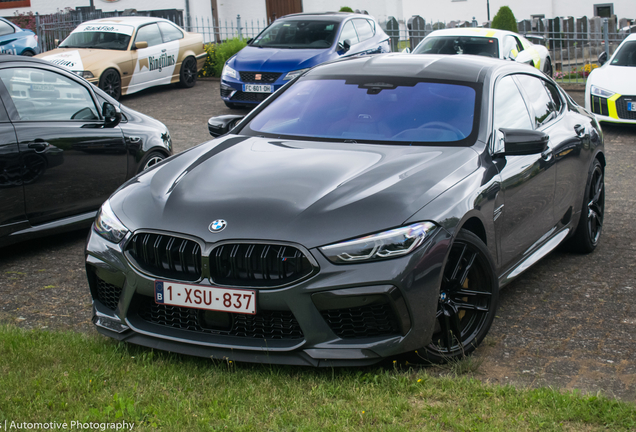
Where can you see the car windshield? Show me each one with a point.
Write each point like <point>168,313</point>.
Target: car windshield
<point>483,46</point>
<point>626,55</point>
<point>111,37</point>
<point>372,109</point>
<point>298,34</point>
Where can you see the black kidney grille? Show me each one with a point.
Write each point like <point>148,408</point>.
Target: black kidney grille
<point>621,108</point>
<point>240,96</point>
<point>166,256</point>
<point>362,321</point>
<point>266,77</point>
<point>264,325</point>
<point>257,265</point>
<point>108,294</point>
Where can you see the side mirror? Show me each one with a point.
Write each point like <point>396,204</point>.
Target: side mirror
<point>520,142</point>
<point>56,42</point>
<point>344,46</point>
<point>112,115</point>
<point>221,125</point>
<point>140,45</point>
<point>249,41</point>
<point>602,58</point>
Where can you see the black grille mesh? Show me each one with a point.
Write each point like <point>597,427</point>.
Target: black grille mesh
<point>264,325</point>
<point>108,294</point>
<point>362,321</point>
<point>257,265</point>
<point>266,77</point>
<point>226,91</point>
<point>599,106</point>
<point>621,108</point>
<point>166,256</point>
<point>249,97</point>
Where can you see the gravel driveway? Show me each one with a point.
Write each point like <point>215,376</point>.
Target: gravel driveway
<point>569,322</point>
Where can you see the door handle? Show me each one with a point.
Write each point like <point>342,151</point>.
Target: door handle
<point>134,139</point>
<point>580,130</point>
<point>39,146</point>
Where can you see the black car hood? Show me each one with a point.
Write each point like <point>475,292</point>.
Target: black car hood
<point>311,193</point>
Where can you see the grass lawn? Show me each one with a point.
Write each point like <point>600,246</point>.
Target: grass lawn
<point>64,376</point>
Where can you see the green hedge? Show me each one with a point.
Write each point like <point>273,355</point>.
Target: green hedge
<point>218,54</point>
<point>504,20</point>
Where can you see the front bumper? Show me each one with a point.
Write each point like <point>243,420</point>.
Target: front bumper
<point>232,91</point>
<point>340,315</point>
<point>613,109</point>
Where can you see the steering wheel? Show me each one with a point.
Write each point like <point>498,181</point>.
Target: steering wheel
<point>445,126</point>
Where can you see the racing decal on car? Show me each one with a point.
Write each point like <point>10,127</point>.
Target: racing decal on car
<point>69,59</point>
<point>109,28</point>
<point>161,62</point>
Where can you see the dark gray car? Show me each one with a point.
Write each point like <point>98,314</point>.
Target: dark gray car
<point>373,207</point>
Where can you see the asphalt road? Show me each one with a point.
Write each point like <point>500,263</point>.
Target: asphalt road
<point>569,322</point>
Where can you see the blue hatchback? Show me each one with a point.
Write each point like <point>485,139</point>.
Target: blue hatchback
<point>14,40</point>
<point>290,46</point>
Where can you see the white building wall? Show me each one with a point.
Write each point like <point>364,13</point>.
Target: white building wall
<point>379,9</point>
<point>251,11</point>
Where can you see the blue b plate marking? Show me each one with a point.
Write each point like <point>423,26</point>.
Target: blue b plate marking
<point>159,292</point>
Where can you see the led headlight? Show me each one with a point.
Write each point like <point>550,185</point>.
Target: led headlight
<point>597,91</point>
<point>388,244</point>
<point>85,74</point>
<point>108,226</point>
<point>229,72</point>
<point>293,74</point>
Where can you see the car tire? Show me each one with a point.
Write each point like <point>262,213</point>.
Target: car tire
<point>588,230</point>
<point>27,53</point>
<point>548,67</point>
<point>467,303</point>
<point>188,73</point>
<point>110,82</point>
<point>150,160</point>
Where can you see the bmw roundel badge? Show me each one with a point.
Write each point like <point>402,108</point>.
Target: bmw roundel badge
<point>217,226</point>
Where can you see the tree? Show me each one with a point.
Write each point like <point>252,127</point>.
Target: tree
<point>504,20</point>
<point>346,9</point>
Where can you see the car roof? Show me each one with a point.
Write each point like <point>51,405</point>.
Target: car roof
<point>631,37</point>
<point>472,31</point>
<point>128,20</point>
<point>466,68</point>
<point>326,16</point>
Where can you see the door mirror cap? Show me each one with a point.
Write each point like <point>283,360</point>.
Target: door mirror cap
<point>221,125</point>
<point>112,115</point>
<point>344,46</point>
<point>140,45</point>
<point>602,58</point>
<point>520,142</point>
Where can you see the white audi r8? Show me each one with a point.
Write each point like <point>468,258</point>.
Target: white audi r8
<point>487,42</point>
<point>610,91</point>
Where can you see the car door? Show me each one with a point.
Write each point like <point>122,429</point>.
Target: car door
<point>155,64</point>
<point>11,193</point>
<point>348,33</point>
<point>8,36</point>
<point>172,36</point>
<point>527,182</point>
<point>72,162</point>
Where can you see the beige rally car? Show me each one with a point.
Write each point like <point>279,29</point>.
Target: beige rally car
<point>123,55</point>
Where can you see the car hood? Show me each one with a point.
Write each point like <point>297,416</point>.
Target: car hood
<point>311,193</point>
<point>278,59</point>
<point>85,59</point>
<point>619,79</point>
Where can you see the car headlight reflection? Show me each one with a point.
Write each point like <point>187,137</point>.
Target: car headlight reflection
<point>108,226</point>
<point>229,72</point>
<point>85,74</point>
<point>293,74</point>
<point>389,244</point>
<point>601,92</point>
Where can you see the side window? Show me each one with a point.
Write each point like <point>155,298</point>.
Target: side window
<point>519,44</point>
<point>41,95</point>
<point>170,32</point>
<point>539,99</point>
<point>556,97</point>
<point>348,32</point>
<point>510,47</point>
<point>363,29</point>
<point>150,34</point>
<point>510,108</point>
<point>6,28</point>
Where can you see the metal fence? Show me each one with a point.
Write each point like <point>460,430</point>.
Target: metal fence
<point>220,32</point>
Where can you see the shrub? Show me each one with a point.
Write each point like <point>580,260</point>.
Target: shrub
<point>345,9</point>
<point>218,54</point>
<point>504,20</point>
<point>24,20</point>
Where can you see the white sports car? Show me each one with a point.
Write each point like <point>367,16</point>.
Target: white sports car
<point>610,91</point>
<point>487,42</point>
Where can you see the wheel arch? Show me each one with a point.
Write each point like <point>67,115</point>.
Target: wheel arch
<point>601,158</point>
<point>475,226</point>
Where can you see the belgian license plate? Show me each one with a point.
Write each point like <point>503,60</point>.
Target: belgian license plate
<point>257,88</point>
<point>631,106</point>
<point>204,297</point>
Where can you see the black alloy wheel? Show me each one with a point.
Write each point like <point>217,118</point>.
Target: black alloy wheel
<point>188,74</point>
<point>110,82</point>
<point>588,231</point>
<point>467,302</point>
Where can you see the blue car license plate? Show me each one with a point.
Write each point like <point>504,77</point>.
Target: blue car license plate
<point>631,106</point>
<point>257,88</point>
